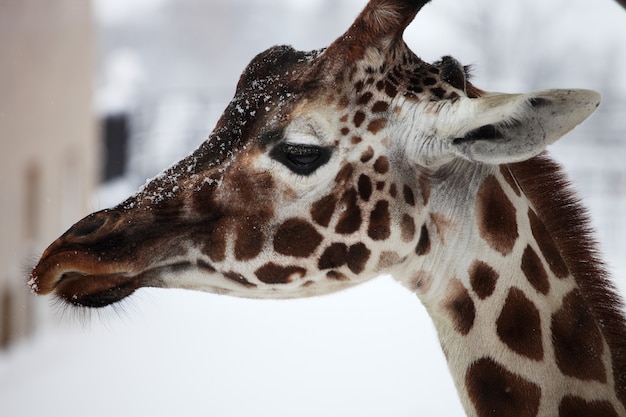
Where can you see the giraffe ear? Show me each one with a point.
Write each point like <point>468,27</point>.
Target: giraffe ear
<point>516,127</point>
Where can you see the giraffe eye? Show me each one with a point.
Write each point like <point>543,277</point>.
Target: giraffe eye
<point>299,158</point>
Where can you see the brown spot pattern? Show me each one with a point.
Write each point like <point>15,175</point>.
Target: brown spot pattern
<point>409,197</point>
<point>483,279</point>
<point>249,240</point>
<point>495,391</point>
<point>376,125</point>
<point>423,245</point>
<point>334,256</point>
<point>365,187</point>
<point>323,209</point>
<point>387,259</point>
<point>345,174</point>
<point>393,190</point>
<point>296,237</point>
<point>519,325</point>
<point>271,273</point>
<point>367,154</point>
<point>460,307</point>
<point>359,118</point>
<point>572,406</point>
<point>365,98</point>
<point>358,255</point>
<point>381,165</point>
<point>350,219</point>
<point>390,90</point>
<point>339,254</point>
<point>380,107</point>
<point>379,227</point>
<point>496,216</point>
<point>336,276</point>
<point>547,246</point>
<point>534,271</point>
<point>578,343</point>
<point>215,245</point>
<point>408,228</point>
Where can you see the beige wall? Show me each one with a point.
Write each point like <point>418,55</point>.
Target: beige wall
<point>48,141</point>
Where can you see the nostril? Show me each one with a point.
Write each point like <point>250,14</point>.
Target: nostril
<point>87,226</point>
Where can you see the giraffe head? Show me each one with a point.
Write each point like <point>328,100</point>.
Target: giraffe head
<point>318,175</point>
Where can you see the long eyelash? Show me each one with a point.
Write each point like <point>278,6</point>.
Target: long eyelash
<point>469,71</point>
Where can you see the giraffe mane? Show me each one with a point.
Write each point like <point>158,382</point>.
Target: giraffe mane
<point>567,221</point>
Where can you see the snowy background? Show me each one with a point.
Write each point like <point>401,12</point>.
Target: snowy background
<point>370,351</point>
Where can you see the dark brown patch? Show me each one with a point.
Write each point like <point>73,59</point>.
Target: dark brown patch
<point>345,131</point>
<point>547,246</point>
<point>483,279</point>
<point>336,276</point>
<point>356,140</point>
<point>271,273</point>
<point>534,271</point>
<point>519,325</point>
<point>322,210</point>
<point>408,228</point>
<point>460,307</point>
<point>367,154</point>
<point>350,218</point>
<point>390,90</point>
<point>376,125</point>
<point>380,107</point>
<point>393,190</point>
<point>508,177</point>
<point>296,237</point>
<point>365,98</point>
<point>572,406</point>
<point>358,255</point>
<point>215,245</point>
<point>334,256</point>
<point>239,279</point>
<point>345,174</point>
<point>423,245</point>
<point>578,343</point>
<point>381,165</point>
<point>496,216</point>
<point>365,187</point>
<point>379,227</point>
<point>359,118</point>
<point>409,197</point>
<point>249,240</point>
<point>380,185</point>
<point>495,391</point>
<point>438,92</point>
<point>344,118</point>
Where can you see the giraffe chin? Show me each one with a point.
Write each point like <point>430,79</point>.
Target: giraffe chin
<point>95,291</point>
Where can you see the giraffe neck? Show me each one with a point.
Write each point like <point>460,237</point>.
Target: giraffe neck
<point>518,298</point>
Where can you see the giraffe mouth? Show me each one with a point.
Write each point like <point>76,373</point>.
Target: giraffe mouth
<point>96,291</point>
<point>89,289</point>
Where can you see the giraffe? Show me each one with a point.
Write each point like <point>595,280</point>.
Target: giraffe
<point>331,167</point>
